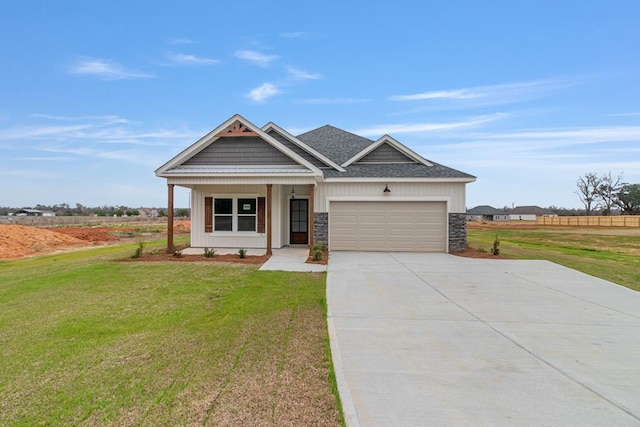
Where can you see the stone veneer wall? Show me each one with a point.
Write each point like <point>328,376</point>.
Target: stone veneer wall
<point>321,227</point>
<point>457,232</point>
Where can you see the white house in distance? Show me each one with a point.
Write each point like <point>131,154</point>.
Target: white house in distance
<point>529,213</point>
<point>262,187</point>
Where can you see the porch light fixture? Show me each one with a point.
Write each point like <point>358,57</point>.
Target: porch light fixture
<point>386,189</point>
<point>293,192</point>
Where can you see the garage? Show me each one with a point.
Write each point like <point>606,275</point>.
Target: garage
<point>388,226</point>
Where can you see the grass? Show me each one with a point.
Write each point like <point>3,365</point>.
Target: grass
<point>613,257</point>
<point>86,340</point>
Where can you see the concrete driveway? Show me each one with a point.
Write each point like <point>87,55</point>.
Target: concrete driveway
<point>439,340</point>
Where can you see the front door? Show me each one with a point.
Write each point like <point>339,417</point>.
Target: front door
<point>299,223</point>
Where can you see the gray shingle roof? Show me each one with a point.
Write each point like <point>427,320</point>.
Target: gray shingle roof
<point>336,144</point>
<point>340,146</point>
<point>485,210</point>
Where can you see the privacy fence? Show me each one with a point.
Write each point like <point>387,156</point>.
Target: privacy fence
<point>592,221</point>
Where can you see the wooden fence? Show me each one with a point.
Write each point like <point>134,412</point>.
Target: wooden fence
<point>592,221</point>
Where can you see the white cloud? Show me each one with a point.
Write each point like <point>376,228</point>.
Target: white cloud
<point>181,40</point>
<point>405,128</point>
<point>302,75</point>
<point>333,101</point>
<point>107,119</point>
<point>625,115</point>
<point>264,91</point>
<point>493,94</point>
<point>255,57</point>
<point>185,59</point>
<point>106,69</point>
<point>31,132</point>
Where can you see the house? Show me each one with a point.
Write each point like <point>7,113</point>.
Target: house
<point>34,212</point>
<point>486,213</point>
<point>255,187</point>
<point>148,213</point>
<point>529,213</point>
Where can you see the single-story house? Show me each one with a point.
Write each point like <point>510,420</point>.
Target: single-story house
<point>148,212</point>
<point>529,213</point>
<point>262,187</point>
<point>486,213</point>
<point>33,212</point>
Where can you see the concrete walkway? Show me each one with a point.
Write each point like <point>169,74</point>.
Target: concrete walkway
<point>434,339</point>
<point>291,259</point>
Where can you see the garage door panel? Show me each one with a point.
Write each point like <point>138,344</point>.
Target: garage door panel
<point>388,226</point>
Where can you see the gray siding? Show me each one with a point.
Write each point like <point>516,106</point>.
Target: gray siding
<point>236,151</point>
<point>385,154</point>
<point>299,151</point>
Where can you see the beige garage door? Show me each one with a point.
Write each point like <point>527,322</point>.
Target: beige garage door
<point>388,226</point>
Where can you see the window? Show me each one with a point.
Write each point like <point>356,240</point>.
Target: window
<point>231,214</point>
<point>223,215</point>
<point>246,214</point>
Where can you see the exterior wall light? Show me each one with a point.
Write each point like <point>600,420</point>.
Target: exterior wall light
<point>293,192</point>
<point>386,189</point>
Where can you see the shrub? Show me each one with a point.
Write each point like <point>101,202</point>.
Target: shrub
<point>316,251</point>
<point>242,252</point>
<point>495,249</point>
<point>139,250</point>
<point>209,252</point>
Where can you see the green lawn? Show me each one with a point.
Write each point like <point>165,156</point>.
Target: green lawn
<point>609,254</point>
<point>87,340</point>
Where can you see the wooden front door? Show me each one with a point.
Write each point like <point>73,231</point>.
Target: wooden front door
<point>299,221</point>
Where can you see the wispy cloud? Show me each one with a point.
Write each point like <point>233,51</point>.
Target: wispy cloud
<point>493,94</point>
<point>302,75</point>
<point>333,101</point>
<point>294,35</point>
<point>255,57</point>
<point>180,40</point>
<point>264,91</point>
<point>106,69</point>
<point>408,128</point>
<point>625,115</point>
<point>186,59</point>
<point>33,132</point>
<point>106,119</point>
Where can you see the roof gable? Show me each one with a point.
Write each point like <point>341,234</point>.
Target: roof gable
<point>389,145</point>
<point>237,142</point>
<point>336,144</point>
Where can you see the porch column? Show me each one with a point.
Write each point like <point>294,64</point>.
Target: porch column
<point>170,219</point>
<point>269,197</point>
<point>312,188</point>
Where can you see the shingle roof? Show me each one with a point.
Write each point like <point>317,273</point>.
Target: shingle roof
<point>485,210</point>
<point>340,146</point>
<point>336,144</point>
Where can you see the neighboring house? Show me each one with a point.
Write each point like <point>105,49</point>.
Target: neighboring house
<point>33,212</point>
<point>148,212</point>
<point>257,187</point>
<point>529,213</point>
<point>486,213</point>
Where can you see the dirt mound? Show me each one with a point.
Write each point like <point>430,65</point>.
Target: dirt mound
<point>94,234</point>
<point>180,227</point>
<point>19,241</point>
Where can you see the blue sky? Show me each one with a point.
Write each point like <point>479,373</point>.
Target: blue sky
<point>525,95</point>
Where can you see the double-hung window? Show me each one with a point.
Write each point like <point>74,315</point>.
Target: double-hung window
<point>235,214</point>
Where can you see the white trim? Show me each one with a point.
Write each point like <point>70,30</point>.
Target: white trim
<point>417,179</point>
<point>395,144</point>
<point>211,137</point>
<point>234,214</point>
<point>302,145</point>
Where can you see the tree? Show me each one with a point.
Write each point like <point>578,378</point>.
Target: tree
<point>588,191</point>
<point>608,191</point>
<point>628,198</point>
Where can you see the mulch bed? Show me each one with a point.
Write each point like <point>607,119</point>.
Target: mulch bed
<point>475,253</point>
<point>216,259</point>
<point>323,261</point>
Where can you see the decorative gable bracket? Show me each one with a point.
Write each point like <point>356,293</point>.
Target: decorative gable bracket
<point>236,129</point>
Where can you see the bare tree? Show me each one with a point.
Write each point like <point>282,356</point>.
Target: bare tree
<point>608,191</point>
<point>588,191</point>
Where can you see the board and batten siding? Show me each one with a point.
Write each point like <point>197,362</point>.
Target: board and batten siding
<point>454,193</point>
<point>245,151</point>
<point>201,239</point>
<point>385,154</point>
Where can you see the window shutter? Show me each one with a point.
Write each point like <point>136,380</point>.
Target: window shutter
<point>208,214</point>
<point>261,214</point>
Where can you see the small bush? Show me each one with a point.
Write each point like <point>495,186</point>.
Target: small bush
<point>209,252</point>
<point>481,249</point>
<point>139,250</point>
<point>316,251</point>
<point>154,251</point>
<point>242,252</point>
<point>495,249</point>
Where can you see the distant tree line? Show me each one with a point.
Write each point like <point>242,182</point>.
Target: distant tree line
<point>64,209</point>
<point>602,194</point>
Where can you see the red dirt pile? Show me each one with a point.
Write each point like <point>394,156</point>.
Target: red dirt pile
<point>94,234</point>
<point>18,241</point>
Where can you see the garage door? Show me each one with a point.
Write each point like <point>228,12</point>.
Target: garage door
<point>388,226</point>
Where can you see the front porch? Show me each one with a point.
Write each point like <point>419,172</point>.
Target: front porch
<point>250,216</point>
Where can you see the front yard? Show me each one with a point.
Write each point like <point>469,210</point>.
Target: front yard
<point>87,340</point>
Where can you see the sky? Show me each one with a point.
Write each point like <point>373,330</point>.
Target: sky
<point>525,95</point>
